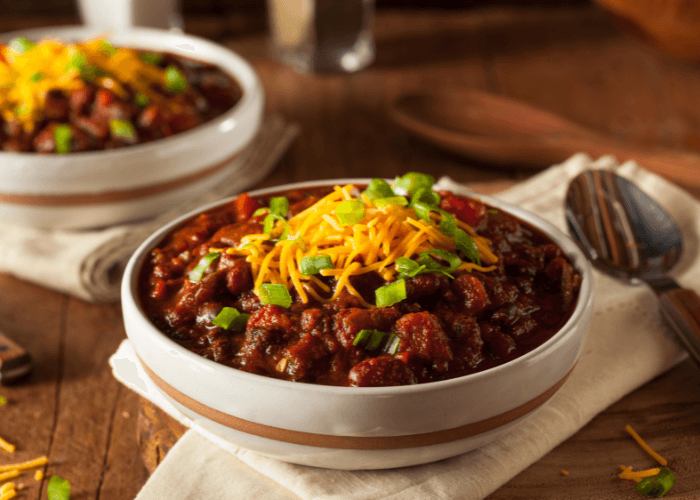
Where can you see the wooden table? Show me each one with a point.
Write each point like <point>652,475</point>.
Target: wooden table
<point>573,61</point>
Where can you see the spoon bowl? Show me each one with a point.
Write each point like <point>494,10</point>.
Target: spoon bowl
<point>505,131</point>
<point>627,234</point>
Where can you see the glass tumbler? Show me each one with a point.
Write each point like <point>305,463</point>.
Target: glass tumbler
<point>322,35</point>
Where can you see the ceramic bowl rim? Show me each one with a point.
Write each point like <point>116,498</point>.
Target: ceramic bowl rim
<point>584,305</point>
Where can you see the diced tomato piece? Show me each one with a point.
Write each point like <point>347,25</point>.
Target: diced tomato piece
<point>245,206</point>
<point>104,97</point>
<point>470,211</point>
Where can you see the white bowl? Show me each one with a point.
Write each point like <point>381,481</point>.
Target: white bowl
<point>355,427</point>
<point>99,188</point>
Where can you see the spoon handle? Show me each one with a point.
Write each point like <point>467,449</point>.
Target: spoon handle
<point>681,308</point>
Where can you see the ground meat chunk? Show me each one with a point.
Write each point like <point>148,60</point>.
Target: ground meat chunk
<point>239,277</point>
<point>382,371</point>
<point>347,323</point>
<point>421,334</point>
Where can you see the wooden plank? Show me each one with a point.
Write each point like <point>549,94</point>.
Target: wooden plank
<point>87,397</point>
<point>28,419</point>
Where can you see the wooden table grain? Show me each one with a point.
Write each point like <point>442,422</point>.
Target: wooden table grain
<point>570,60</point>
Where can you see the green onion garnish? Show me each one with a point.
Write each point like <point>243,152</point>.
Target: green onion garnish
<point>314,265</point>
<point>379,188</point>
<point>492,211</point>
<point>122,128</point>
<point>272,293</point>
<point>3,400</point>
<point>279,205</point>
<point>141,99</point>
<point>62,136</point>
<point>391,200</point>
<point>107,48</point>
<point>90,72</point>
<point>22,45</point>
<point>269,225</point>
<point>21,109</point>
<point>77,60</point>
<point>350,212</point>
<point>408,268</point>
<point>390,294</point>
<point>36,77</point>
<point>175,81</point>
<point>198,271</point>
<point>230,316</point>
<point>375,339</point>
<point>466,245</point>
<point>431,265</point>
<point>151,58</point>
<point>656,486</point>
<point>412,182</point>
<point>261,211</point>
<point>58,489</point>
<point>425,195</point>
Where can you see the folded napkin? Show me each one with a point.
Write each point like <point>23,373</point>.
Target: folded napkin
<point>88,263</point>
<point>627,347</point>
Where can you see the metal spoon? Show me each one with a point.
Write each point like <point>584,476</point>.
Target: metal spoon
<point>627,234</point>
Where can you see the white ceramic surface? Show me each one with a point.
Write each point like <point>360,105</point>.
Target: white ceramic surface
<point>359,412</point>
<point>149,167</point>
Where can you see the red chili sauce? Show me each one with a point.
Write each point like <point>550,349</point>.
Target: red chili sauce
<point>447,327</point>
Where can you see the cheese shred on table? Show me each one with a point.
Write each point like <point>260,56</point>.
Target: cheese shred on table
<point>30,464</point>
<point>4,445</point>
<point>372,244</point>
<point>646,447</point>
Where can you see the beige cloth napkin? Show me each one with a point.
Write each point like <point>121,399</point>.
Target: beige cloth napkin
<point>627,347</point>
<point>88,263</point>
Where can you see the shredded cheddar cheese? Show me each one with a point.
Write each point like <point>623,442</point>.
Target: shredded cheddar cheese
<point>26,77</point>
<point>373,244</point>
<point>646,447</point>
<point>39,475</point>
<point>9,475</point>
<point>4,445</point>
<point>637,476</point>
<point>30,464</point>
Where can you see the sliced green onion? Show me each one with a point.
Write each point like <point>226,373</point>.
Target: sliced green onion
<point>36,77</point>
<point>391,200</point>
<point>21,109</point>
<point>350,212</point>
<point>279,205</point>
<point>141,99</point>
<point>58,489</point>
<point>656,486</point>
<point>77,60</point>
<point>22,45</point>
<point>151,58</point>
<point>90,72</point>
<point>62,136</point>
<point>378,188</point>
<point>423,211</point>
<point>3,400</point>
<point>230,317</point>
<point>492,211</point>
<point>452,260</point>
<point>261,211</point>
<point>175,81</point>
<point>466,245</point>
<point>390,294</point>
<point>314,265</point>
<point>427,196</point>
<point>122,128</point>
<point>269,225</point>
<point>107,48</point>
<point>408,268</point>
<point>375,339</point>
<point>198,271</point>
<point>299,242</point>
<point>448,223</point>
<point>275,294</point>
<point>412,182</point>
